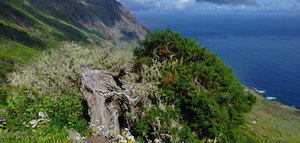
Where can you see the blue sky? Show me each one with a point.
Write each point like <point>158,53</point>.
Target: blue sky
<point>258,6</point>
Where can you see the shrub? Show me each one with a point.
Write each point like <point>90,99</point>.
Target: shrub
<point>69,109</point>
<point>22,108</point>
<point>163,125</point>
<point>197,83</point>
<point>56,71</point>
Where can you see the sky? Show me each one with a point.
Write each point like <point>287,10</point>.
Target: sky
<point>257,6</point>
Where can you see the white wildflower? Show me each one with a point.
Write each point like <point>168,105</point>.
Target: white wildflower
<point>42,115</point>
<point>33,123</point>
<point>157,141</point>
<point>123,141</point>
<point>131,138</point>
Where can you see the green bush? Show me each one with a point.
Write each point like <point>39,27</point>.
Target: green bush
<point>208,96</point>
<point>22,108</point>
<point>162,124</point>
<point>68,110</point>
<point>64,110</point>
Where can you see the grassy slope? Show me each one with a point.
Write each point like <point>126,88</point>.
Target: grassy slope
<point>25,31</point>
<point>275,122</point>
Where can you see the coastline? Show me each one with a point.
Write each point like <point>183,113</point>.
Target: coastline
<point>258,94</point>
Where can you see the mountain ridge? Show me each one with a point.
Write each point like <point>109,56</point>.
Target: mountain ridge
<point>28,27</point>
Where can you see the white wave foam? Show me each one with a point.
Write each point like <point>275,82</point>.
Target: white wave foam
<point>271,98</point>
<point>261,91</point>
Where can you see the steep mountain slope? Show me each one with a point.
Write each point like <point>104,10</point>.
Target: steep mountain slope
<point>106,18</point>
<point>27,27</point>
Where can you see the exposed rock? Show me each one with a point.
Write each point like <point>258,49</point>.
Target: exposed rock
<point>105,93</point>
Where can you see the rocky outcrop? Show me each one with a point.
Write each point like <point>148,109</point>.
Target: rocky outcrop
<point>106,94</point>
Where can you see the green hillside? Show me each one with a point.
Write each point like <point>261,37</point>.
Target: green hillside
<point>29,26</point>
<point>274,122</point>
<point>26,31</point>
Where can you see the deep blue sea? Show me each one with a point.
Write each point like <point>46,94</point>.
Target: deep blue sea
<point>262,49</point>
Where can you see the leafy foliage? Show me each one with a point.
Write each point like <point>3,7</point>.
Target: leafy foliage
<point>62,110</point>
<point>205,91</point>
<point>45,134</point>
<point>156,121</point>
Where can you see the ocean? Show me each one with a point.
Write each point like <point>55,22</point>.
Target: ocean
<point>262,49</point>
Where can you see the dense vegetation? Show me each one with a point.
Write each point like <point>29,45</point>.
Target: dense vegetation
<point>198,90</point>
<point>50,86</point>
<point>194,97</point>
<point>23,117</point>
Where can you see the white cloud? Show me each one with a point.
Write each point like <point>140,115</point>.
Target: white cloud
<point>137,5</point>
<point>183,4</point>
<point>213,5</point>
<point>164,5</point>
<point>243,6</point>
<point>231,2</point>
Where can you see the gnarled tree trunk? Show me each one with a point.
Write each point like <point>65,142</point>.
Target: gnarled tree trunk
<point>100,89</point>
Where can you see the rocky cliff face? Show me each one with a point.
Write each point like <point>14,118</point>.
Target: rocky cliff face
<point>105,18</point>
